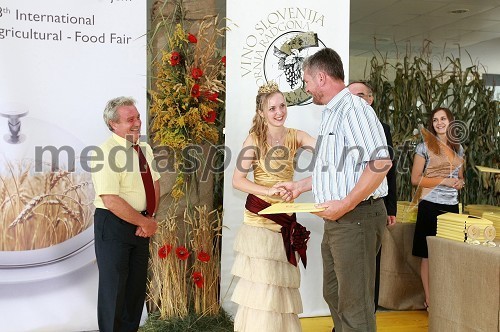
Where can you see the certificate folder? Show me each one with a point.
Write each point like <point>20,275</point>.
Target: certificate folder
<point>488,169</point>
<point>291,208</point>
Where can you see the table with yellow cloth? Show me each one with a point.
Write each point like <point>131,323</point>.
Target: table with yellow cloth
<point>464,282</point>
<point>400,283</point>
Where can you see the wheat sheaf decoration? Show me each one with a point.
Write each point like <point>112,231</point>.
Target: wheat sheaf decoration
<point>187,99</point>
<point>184,273</point>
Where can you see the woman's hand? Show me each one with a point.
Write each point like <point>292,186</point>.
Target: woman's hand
<point>287,190</point>
<point>453,183</point>
<point>272,191</point>
<point>459,184</point>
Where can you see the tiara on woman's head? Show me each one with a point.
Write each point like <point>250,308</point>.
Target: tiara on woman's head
<point>269,87</point>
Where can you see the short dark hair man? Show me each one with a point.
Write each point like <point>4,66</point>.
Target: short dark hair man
<point>349,181</point>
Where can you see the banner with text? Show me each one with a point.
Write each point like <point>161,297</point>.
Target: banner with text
<point>60,62</point>
<point>268,40</point>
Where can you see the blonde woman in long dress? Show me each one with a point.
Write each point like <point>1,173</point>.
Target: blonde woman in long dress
<point>267,251</point>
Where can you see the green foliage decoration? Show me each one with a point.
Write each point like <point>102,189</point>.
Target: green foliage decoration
<point>191,323</point>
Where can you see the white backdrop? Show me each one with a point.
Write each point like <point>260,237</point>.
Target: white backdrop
<point>261,33</point>
<point>61,61</point>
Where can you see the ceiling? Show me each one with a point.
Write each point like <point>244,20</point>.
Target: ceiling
<point>383,24</point>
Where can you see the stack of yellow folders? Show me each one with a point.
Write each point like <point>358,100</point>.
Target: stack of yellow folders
<point>478,209</point>
<point>494,217</point>
<point>455,226</point>
<point>407,212</point>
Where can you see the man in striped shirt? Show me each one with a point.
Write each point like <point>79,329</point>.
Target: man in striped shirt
<point>348,180</point>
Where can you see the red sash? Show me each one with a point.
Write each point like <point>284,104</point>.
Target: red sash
<point>295,236</point>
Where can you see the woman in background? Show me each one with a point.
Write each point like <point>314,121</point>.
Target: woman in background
<point>267,251</point>
<point>438,173</point>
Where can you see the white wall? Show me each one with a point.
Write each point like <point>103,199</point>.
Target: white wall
<point>489,61</point>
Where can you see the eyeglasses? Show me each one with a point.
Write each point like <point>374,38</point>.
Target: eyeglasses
<point>362,95</point>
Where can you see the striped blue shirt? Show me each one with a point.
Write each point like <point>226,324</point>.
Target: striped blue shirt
<point>350,136</point>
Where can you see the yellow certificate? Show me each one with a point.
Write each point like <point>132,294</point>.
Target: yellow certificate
<point>291,208</point>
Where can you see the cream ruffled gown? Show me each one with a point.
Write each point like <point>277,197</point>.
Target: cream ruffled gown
<point>267,291</point>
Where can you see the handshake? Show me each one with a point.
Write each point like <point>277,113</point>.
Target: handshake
<point>331,210</point>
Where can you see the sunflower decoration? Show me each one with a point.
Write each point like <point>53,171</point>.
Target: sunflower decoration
<point>187,105</point>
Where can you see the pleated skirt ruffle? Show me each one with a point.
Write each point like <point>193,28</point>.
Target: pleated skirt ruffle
<point>267,290</point>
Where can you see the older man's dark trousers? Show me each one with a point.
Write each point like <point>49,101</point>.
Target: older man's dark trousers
<point>122,259</point>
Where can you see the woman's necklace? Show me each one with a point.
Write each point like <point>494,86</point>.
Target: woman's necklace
<point>276,141</point>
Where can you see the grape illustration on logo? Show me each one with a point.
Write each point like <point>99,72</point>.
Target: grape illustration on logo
<point>284,64</point>
<point>291,64</point>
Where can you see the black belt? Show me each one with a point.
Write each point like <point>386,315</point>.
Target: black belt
<point>370,201</point>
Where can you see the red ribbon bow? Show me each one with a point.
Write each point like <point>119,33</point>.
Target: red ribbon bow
<point>295,236</point>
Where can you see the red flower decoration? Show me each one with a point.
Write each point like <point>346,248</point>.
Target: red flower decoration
<point>175,58</point>
<point>198,279</point>
<point>195,91</point>
<point>203,257</point>
<point>212,95</point>
<point>223,60</point>
<point>182,253</point>
<point>164,251</point>
<point>192,38</point>
<point>210,118</point>
<point>196,73</point>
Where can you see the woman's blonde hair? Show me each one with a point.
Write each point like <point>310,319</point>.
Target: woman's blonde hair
<point>259,125</point>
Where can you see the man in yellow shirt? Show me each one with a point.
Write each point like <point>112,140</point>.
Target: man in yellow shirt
<point>123,220</point>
